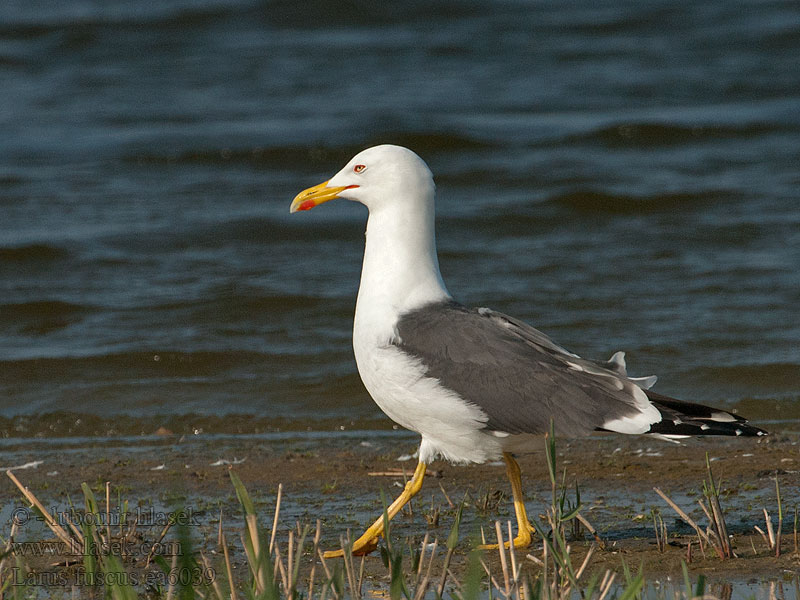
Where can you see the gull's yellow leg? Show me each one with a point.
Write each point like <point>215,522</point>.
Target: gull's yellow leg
<point>369,540</point>
<point>524,527</point>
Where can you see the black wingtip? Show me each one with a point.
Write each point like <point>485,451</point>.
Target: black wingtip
<point>681,418</point>
<point>696,427</point>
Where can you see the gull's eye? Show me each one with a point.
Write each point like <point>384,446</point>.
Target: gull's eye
<point>359,168</point>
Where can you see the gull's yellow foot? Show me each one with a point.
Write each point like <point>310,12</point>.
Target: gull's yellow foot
<point>369,540</point>
<point>524,527</point>
<point>359,548</point>
<point>523,540</point>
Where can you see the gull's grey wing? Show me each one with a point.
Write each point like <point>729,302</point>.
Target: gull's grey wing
<point>518,376</point>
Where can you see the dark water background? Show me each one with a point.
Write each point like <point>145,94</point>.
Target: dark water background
<point>622,177</point>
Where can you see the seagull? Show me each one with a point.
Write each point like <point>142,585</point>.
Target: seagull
<point>477,385</point>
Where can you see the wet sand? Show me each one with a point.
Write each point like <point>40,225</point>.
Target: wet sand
<point>338,477</point>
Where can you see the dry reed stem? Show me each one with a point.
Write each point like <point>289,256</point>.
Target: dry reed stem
<point>770,531</point>
<point>49,520</point>
<point>132,529</point>
<point>724,526</point>
<point>75,531</point>
<point>258,575</point>
<point>422,587</point>
<point>713,532</point>
<point>155,546</point>
<point>219,529</point>
<point>608,579</point>
<point>421,562</point>
<point>545,559</point>
<point>171,578</point>
<point>585,562</point>
<point>763,536</point>
<point>289,563</point>
<point>492,580</point>
<point>591,530</point>
<point>780,518</point>
<point>346,544</point>
<point>683,515</point>
<point>445,571</point>
<point>450,502</point>
<point>214,582</point>
<point>513,556</point>
<point>281,566</point>
<point>323,563</point>
<point>721,528</point>
<point>228,567</point>
<point>9,543</point>
<point>327,574</point>
<point>361,572</point>
<point>317,536</point>
<point>535,560</point>
<point>657,533</point>
<point>501,549</point>
<point>108,511</point>
<point>275,519</point>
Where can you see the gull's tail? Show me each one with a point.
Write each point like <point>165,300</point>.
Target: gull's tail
<point>683,419</point>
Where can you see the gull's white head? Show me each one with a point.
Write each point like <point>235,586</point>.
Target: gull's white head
<point>374,177</point>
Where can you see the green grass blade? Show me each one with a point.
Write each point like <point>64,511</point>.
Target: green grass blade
<point>474,575</point>
<point>550,450</point>
<point>452,539</point>
<point>686,581</point>
<point>242,495</point>
<point>699,590</point>
<point>118,582</point>
<point>633,587</point>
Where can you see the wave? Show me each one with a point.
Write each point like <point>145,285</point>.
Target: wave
<point>60,424</point>
<point>273,157</point>
<point>244,233</point>
<point>40,316</point>
<point>593,201</point>
<point>771,378</point>
<point>430,142</point>
<point>646,134</point>
<point>75,20</point>
<point>144,363</point>
<point>32,253</point>
<point>242,305</point>
<point>318,14</point>
<point>324,156</point>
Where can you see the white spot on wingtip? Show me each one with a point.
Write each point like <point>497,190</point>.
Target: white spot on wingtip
<point>722,417</point>
<point>704,427</point>
<point>738,432</point>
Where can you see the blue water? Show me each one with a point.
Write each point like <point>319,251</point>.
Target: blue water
<point>622,177</point>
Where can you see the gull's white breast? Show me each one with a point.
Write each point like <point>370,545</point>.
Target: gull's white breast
<point>450,426</point>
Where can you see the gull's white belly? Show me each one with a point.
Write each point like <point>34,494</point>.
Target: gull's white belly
<point>450,426</point>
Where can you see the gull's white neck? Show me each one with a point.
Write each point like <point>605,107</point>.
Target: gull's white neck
<point>401,269</point>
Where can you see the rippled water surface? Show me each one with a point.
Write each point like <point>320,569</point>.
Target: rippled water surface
<point>622,177</point>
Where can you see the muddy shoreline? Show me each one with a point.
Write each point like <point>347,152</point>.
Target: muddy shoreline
<point>339,476</point>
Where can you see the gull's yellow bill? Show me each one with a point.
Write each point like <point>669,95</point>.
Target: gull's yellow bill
<point>313,196</point>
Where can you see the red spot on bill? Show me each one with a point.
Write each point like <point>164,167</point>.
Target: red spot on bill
<point>307,205</point>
